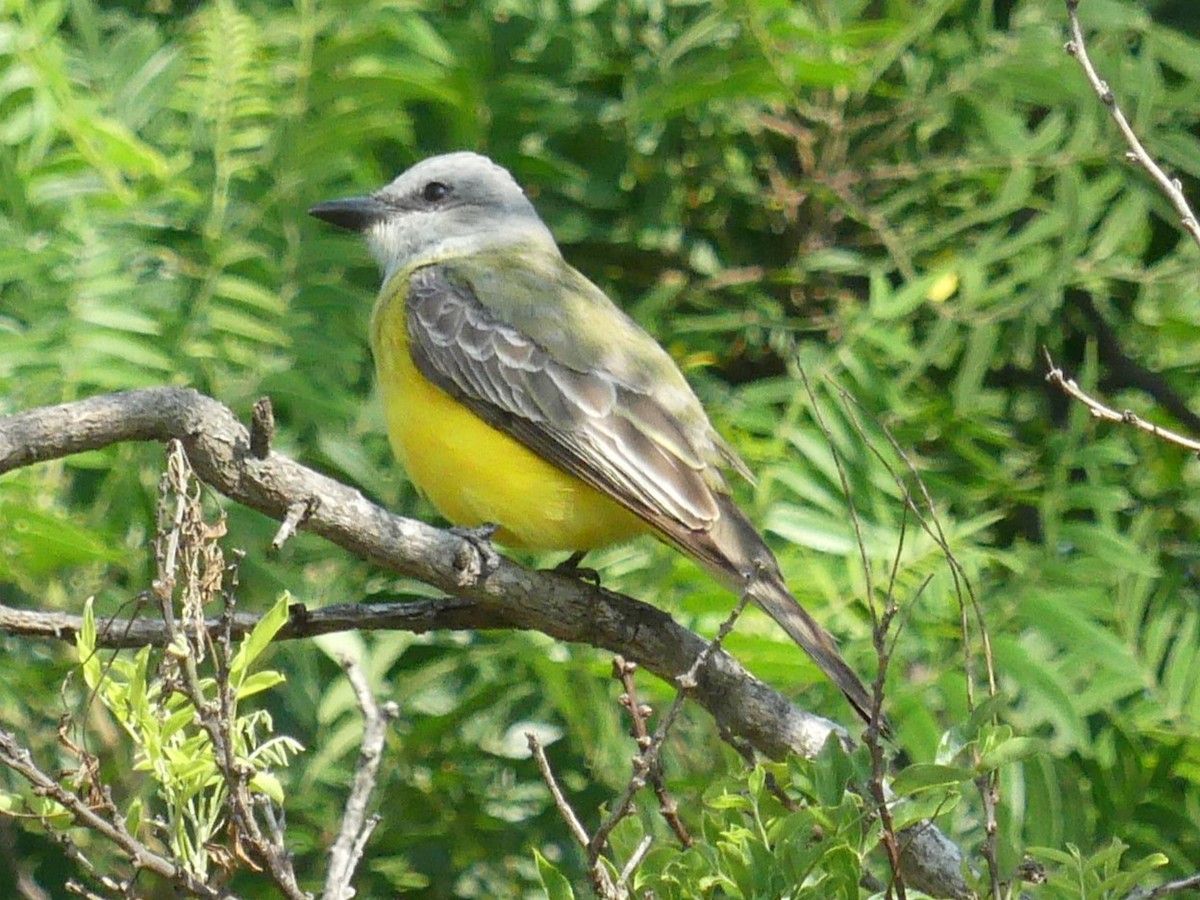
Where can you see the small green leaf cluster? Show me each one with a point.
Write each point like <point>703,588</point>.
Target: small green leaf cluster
<point>188,810</point>
<point>750,844</point>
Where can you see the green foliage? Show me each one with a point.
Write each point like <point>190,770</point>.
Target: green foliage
<point>751,844</point>
<point>1102,875</point>
<point>907,200</point>
<point>172,746</point>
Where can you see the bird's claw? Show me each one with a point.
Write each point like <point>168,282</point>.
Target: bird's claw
<point>570,568</point>
<point>477,557</point>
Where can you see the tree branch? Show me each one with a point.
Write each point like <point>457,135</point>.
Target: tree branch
<point>1171,188</point>
<point>219,449</point>
<point>356,828</point>
<point>1055,376</point>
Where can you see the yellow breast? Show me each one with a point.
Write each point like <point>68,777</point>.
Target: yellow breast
<point>475,474</point>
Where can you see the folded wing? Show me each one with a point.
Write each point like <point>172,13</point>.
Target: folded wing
<point>609,434</point>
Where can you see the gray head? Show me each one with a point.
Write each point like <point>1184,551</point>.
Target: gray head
<point>443,206</point>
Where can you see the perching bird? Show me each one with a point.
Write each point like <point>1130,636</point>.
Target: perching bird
<point>517,394</point>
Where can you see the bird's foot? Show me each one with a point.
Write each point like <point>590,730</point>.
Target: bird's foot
<point>484,560</point>
<point>570,567</point>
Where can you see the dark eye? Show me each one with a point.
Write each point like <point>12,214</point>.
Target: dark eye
<point>435,191</point>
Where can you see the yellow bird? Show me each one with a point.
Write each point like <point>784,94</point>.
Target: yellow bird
<point>518,395</point>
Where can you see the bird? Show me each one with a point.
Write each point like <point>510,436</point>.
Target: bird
<point>520,398</point>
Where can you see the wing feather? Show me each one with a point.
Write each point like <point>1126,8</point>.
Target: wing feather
<point>609,434</point>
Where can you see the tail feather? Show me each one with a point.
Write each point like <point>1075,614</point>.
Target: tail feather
<point>735,552</point>
<point>776,601</point>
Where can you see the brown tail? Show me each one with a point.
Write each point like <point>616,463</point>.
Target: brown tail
<point>770,593</point>
<point>735,552</point>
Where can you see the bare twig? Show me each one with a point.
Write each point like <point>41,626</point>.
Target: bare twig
<point>560,800</point>
<point>292,520</point>
<point>848,495</point>
<point>598,875</point>
<point>1055,376</point>
<point>648,758</point>
<point>635,860</point>
<point>1122,371</point>
<point>262,428</point>
<point>880,626</point>
<point>1189,884</point>
<point>645,763</point>
<point>1171,188</point>
<point>925,512</point>
<point>356,827</point>
<point>915,840</point>
<point>883,652</point>
<point>191,564</point>
<point>623,671</point>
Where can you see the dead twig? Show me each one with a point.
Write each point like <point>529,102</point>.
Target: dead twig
<point>19,759</point>
<point>192,572</point>
<point>598,875</point>
<point>1171,188</point>
<point>648,758</point>
<point>639,713</point>
<point>356,827</point>
<point>1055,376</point>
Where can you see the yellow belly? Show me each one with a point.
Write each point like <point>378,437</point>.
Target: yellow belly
<point>475,474</point>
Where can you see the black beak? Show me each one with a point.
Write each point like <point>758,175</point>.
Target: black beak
<point>352,213</point>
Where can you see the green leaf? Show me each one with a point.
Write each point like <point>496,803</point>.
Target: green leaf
<point>1011,750</point>
<point>85,646</point>
<point>45,542</point>
<point>555,884</point>
<point>259,638</point>
<point>269,785</point>
<point>258,682</point>
<point>924,776</point>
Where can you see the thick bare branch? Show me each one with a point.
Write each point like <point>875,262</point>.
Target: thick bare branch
<point>510,597</point>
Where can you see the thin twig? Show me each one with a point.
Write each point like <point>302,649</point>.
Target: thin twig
<point>635,860</point>
<point>645,760</point>
<point>1055,376</point>
<point>599,876</point>
<point>920,839</point>
<point>847,494</point>
<point>19,759</point>
<point>880,624</point>
<point>560,801</point>
<point>1171,188</point>
<point>883,652</point>
<point>191,550</point>
<point>346,852</point>
<point>623,671</point>
<point>1191,883</point>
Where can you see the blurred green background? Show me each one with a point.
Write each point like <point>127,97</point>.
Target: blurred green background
<point>908,199</point>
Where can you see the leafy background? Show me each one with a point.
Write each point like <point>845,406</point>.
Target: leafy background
<point>908,200</point>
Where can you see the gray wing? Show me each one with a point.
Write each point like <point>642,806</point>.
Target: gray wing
<point>614,437</point>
